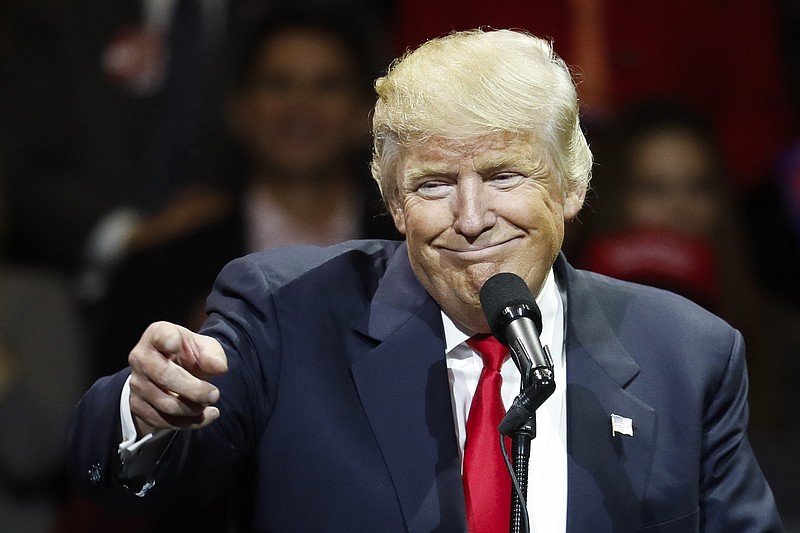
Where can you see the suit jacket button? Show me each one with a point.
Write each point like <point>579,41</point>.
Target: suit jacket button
<point>95,474</point>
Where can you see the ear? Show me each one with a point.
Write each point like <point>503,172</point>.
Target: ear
<point>398,215</point>
<point>573,203</point>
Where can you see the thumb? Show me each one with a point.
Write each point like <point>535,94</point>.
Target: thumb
<point>201,355</point>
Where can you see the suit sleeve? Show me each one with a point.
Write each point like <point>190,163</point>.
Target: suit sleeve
<point>734,495</point>
<point>198,466</point>
<point>93,438</point>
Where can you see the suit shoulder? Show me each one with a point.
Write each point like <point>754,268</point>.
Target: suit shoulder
<point>648,303</point>
<point>663,332</point>
<point>285,265</point>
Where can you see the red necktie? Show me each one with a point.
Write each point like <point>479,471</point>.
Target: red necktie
<point>487,485</point>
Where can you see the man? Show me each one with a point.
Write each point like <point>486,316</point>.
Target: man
<point>330,388</point>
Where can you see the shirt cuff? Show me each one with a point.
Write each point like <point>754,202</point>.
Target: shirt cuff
<point>138,456</point>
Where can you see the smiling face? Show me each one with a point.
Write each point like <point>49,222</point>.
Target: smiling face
<point>472,209</point>
<point>674,184</point>
<point>302,110</point>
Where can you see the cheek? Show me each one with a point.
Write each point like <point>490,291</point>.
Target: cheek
<point>540,213</point>
<point>551,225</point>
<point>422,220</point>
<point>551,229</point>
<point>416,225</point>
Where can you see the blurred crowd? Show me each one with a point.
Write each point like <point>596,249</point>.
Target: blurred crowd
<point>145,143</point>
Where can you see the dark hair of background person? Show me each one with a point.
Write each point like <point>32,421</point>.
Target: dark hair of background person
<point>349,28</point>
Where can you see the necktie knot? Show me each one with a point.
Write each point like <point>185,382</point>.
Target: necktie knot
<point>491,351</point>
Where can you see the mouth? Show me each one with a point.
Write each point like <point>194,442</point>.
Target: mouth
<point>471,253</point>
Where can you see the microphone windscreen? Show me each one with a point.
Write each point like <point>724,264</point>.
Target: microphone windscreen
<point>502,291</point>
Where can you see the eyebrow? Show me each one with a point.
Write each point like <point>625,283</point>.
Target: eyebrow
<point>519,162</point>
<point>492,163</point>
<point>417,173</point>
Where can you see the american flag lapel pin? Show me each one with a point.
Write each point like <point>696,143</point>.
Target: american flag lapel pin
<point>621,425</point>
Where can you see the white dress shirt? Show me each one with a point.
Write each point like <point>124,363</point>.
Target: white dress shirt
<point>547,468</point>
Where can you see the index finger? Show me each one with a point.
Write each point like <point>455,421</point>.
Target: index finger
<point>177,361</point>
<point>200,355</point>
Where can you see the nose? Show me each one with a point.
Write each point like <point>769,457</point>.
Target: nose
<point>473,208</point>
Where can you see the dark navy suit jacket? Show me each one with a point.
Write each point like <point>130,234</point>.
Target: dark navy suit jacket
<point>336,412</point>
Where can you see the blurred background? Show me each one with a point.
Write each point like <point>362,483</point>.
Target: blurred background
<point>145,143</point>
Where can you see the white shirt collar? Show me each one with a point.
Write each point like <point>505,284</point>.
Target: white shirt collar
<point>547,300</point>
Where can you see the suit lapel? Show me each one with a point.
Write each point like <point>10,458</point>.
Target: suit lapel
<point>403,386</point>
<point>606,473</point>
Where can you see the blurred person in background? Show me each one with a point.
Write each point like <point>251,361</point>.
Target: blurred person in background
<point>665,172</point>
<point>298,108</point>
<point>116,131</point>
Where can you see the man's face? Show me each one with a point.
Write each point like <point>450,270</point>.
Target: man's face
<point>673,185</point>
<point>472,209</point>
<point>302,111</point>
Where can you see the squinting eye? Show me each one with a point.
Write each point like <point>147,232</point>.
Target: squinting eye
<point>433,189</point>
<point>506,179</point>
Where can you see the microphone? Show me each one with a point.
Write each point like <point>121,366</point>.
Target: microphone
<point>516,321</point>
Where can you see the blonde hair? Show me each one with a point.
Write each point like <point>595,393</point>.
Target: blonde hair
<point>473,83</point>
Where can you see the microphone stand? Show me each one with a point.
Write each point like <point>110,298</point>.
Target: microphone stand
<point>521,452</point>
<point>520,424</point>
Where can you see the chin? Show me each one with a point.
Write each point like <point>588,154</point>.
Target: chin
<point>480,272</point>
<point>469,318</point>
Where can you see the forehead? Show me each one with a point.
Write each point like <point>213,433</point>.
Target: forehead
<point>488,150</point>
<point>302,49</point>
<point>671,154</point>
